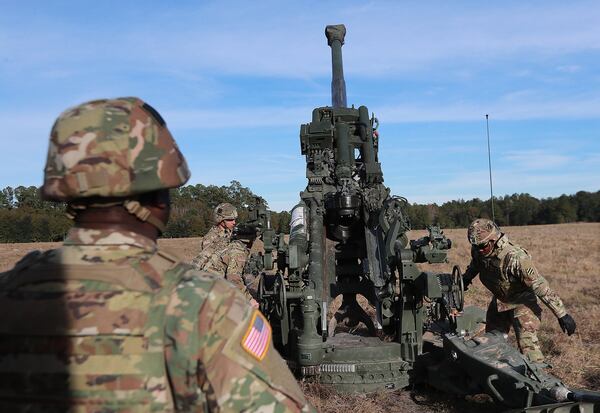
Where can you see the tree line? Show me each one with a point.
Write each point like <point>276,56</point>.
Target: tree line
<point>516,209</point>
<point>25,217</point>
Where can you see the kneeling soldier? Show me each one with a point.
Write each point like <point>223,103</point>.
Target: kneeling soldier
<point>508,272</point>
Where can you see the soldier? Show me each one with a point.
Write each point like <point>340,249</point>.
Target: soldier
<point>221,255</point>
<point>108,322</point>
<point>508,272</point>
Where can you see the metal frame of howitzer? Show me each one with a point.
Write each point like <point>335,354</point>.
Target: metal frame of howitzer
<point>348,237</point>
<point>258,226</point>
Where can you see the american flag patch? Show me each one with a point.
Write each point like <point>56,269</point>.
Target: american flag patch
<point>257,339</point>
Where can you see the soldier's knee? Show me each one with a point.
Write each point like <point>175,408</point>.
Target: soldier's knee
<point>530,347</point>
<point>527,320</point>
<point>535,356</point>
<point>526,327</point>
<point>528,338</point>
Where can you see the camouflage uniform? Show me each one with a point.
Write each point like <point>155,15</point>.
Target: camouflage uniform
<point>221,255</point>
<point>99,318</point>
<point>508,272</point>
<point>108,323</point>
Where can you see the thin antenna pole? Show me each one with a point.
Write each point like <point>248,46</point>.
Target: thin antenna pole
<point>487,125</point>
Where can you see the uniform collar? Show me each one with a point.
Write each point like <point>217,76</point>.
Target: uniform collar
<point>500,244</point>
<point>105,237</point>
<point>221,232</point>
<point>502,241</point>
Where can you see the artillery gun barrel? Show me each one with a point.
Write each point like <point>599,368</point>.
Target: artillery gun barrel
<point>584,396</point>
<point>335,39</point>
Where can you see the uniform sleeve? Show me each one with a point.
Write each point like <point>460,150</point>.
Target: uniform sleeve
<point>239,368</point>
<point>530,276</point>
<point>235,260</point>
<point>472,270</point>
<point>199,260</point>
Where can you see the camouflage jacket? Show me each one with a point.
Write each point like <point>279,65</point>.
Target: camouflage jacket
<point>110,323</point>
<point>221,255</point>
<point>510,275</point>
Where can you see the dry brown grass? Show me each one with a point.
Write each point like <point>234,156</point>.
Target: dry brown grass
<point>568,255</point>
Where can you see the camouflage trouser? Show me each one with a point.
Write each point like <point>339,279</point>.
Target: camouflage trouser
<point>525,319</point>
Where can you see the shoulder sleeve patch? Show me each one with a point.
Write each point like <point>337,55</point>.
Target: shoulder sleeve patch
<point>257,339</point>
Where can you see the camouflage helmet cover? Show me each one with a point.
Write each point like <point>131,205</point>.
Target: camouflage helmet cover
<point>111,148</point>
<point>224,211</point>
<point>482,230</point>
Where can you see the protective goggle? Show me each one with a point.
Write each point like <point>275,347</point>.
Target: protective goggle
<point>482,245</point>
<point>485,247</point>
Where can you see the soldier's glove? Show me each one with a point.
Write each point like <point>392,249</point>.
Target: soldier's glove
<point>567,324</point>
<point>466,286</point>
<point>466,282</point>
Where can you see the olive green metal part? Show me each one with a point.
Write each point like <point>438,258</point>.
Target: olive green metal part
<point>258,226</point>
<point>335,38</point>
<point>348,365</point>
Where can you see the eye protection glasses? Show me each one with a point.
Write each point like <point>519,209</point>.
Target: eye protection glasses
<point>485,247</point>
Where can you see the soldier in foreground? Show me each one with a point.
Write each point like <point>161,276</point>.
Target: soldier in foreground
<point>221,255</point>
<point>508,272</point>
<point>108,322</point>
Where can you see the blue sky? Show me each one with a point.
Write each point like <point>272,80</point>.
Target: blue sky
<point>235,79</point>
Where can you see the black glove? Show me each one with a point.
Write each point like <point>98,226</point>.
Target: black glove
<point>466,282</point>
<point>567,324</point>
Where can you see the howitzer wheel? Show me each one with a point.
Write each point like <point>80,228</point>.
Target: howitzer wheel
<point>272,295</point>
<point>458,289</point>
<point>272,298</point>
<point>261,288</point>
<point>281,301</point>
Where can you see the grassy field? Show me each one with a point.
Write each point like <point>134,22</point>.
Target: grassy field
<point>568,255</point>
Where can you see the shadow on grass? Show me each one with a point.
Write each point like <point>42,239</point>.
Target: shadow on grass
<point>417,400</point>
<point>435,401</point>
<point>592,379</point>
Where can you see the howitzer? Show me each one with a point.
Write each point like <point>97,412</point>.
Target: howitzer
<point>258,222</point>
<point>348,238</point>
<point>258,226</point>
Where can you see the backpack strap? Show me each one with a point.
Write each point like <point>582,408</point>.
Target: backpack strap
<point>121,275</point>
<point>183,338</point>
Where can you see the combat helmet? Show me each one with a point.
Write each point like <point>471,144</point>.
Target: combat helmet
<point>483,230</point>
<point>111,149</point>
<point>224,211</point>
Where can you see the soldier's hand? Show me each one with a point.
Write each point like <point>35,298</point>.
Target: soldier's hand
<point>466,282</point>
<point>567,324</point>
